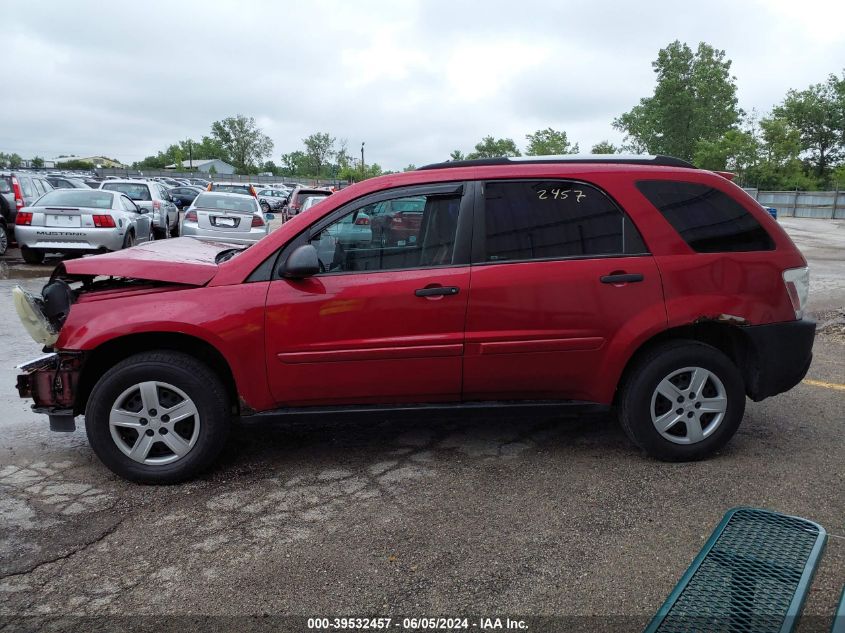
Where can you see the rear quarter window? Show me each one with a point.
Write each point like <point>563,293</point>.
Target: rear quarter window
<point>708,220</point>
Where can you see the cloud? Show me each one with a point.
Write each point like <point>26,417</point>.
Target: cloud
<point>413,79</point>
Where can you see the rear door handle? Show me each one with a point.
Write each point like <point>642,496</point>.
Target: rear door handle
<point>622,278</point>
<point>437,291</point>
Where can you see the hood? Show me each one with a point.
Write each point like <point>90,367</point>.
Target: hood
<point>183,260</point>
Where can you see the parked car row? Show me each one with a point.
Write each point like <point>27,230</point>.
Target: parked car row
<point>63,225</point>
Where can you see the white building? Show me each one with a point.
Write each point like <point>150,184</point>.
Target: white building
<point>204,165</point>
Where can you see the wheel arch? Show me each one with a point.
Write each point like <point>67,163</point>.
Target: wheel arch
<point>99,360</point>
<point>729,339</point>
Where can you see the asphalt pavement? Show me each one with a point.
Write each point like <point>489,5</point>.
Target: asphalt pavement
<point>437,516</point>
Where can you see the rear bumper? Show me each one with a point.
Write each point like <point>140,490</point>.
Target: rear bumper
<point>782,356</point>
<point>229,237</point>
<point>67,239</point>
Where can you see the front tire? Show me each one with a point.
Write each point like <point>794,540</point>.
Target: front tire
<point>31,255</point>
<point>682,401</point>
<point>158,417</point>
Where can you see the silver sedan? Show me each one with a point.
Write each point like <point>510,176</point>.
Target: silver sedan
<point>80,221</point>
<point>225,217</point>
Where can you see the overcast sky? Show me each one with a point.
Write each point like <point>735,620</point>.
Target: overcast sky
<point>414,79</point>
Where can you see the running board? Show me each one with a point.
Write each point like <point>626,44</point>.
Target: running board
<point>450,409</point>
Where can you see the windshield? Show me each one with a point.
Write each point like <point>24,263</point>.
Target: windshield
<point>77,198</point>
<point>225,203</point>
<point>135,191</point>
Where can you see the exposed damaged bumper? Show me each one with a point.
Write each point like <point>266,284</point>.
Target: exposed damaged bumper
<point>52,382</point>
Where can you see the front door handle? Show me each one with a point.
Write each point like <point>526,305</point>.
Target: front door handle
<point>437,291</point>
<point>622,278</point>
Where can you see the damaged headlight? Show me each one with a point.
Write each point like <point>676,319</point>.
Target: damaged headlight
<point>44,316</point>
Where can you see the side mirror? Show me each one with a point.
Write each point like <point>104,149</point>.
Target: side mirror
<point>143,210</point>
<point>302,262</point>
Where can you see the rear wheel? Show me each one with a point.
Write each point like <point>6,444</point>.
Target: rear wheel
<point>682,401</point>
<point>31,255</point>
<point>158,417</point>
<point>129,240</point>
<point>4,239</point>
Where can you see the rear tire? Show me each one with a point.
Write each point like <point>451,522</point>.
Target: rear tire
<point>661,412</point>
<point>31,255</point>
<point>4,239</point>
<point>125,418</point>
<point>129,240</point>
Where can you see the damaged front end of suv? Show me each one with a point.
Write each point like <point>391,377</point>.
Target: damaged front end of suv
<point>50,381</point>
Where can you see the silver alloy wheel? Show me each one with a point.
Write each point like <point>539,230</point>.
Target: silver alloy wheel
<point>154,423</point>
<point>688,405</point>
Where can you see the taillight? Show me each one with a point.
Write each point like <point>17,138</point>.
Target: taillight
<point>362,221</point>
<point>16,188</point>
<point>103,221</point>
<point>257,221</point>
<point>23,218</point>
<point>191,216</point>
<point>156,204</point>
<point>797,282</point>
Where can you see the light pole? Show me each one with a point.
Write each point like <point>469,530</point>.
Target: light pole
<point>363,165</point>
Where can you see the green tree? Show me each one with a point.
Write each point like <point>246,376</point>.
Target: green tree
<point>38,162</point>
<point>319,148</point>
<point>243,141</point>
<point>490,147</point>
<point>271,167</point>
<point>212,171</point>
<point>815,113</point>
<point>456,155</point>
<point>780,165</point>
<point>549,142</point>
<point>15,160</point>
<point>736,151</point>
<point>295,164</point>
<point>410,167</point>
<point>694,100</point>
<point>604,147</point>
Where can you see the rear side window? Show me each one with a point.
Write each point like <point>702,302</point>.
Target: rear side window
<point>709,220</point>
<point>26,186</point>
<point>553,219</point>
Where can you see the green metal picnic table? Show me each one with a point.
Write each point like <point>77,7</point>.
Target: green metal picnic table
<point>753,574</point>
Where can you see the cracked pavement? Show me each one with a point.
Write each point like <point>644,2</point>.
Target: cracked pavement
<point>435,516</point>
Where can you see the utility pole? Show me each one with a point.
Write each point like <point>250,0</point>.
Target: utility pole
<point>363,165</point>
<point>190,156</point>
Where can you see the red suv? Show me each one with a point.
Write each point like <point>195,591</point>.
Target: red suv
<point>642,284</point>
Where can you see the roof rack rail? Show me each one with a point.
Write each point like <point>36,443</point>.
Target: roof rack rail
<point>613,159</point>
